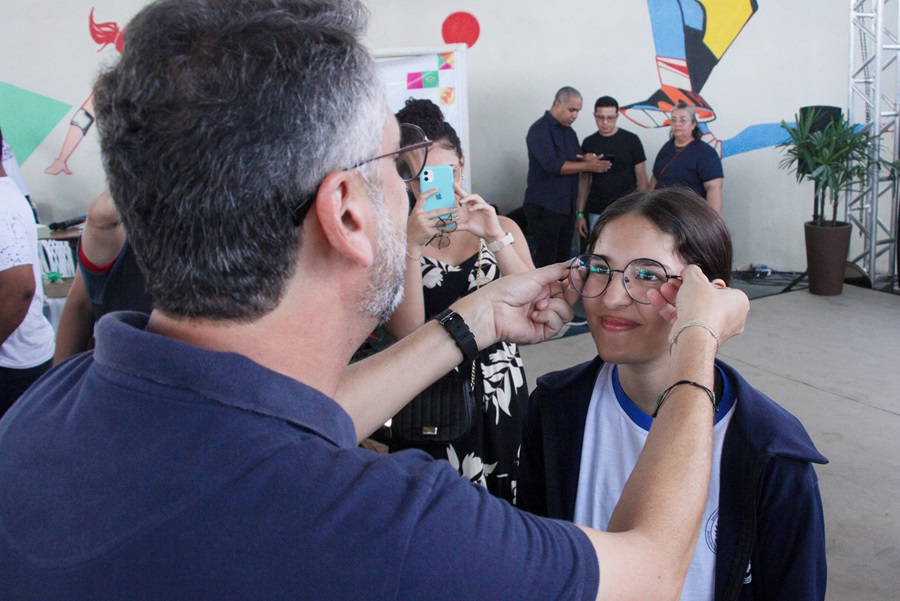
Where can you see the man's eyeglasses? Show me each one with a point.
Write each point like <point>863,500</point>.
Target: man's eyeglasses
<point>606,117</point>
<point>409,160</point>
<point>591,275</point>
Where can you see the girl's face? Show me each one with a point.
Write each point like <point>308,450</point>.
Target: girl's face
<point>438,155</point>
<point>626,332</point>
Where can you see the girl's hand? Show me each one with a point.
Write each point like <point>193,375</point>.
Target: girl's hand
<point>423,225</point>
<point>477,216</point>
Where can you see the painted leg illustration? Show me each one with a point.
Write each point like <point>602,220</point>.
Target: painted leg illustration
<point>104,34</point>
<point>690,37</point>
<point>78,127</point>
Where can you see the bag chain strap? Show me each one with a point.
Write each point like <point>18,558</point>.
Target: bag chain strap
<point>477,286</point>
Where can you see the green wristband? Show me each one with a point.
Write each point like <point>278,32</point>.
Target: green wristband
<point>579,215</point>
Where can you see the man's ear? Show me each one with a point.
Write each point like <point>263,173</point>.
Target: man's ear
<point>344,212</point>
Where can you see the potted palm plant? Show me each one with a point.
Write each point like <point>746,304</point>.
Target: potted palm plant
<point>836,158</point>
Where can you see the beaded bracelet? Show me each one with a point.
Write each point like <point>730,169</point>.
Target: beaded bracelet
<point>410,257</point>
<point>698,323</point>
<point>665,393</point>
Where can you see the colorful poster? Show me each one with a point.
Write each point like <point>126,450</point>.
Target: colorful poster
<point>437,75</point>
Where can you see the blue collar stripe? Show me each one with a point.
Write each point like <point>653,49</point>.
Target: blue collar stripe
<point>644,421</point>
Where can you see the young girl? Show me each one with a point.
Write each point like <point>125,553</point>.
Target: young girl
<point>762,535</point>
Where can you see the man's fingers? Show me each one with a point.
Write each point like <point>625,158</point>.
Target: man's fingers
<point>551,273</point>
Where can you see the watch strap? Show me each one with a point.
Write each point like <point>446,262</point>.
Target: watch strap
<point>459,330</point>
<point>498,245</point>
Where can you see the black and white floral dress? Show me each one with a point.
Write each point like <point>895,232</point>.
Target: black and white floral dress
<point>489,454</point>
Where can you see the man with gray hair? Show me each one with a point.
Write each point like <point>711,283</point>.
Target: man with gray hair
<point>555,161</point>
<point>209,450</point>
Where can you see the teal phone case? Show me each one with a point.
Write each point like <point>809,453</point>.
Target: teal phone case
<point>440,177</point>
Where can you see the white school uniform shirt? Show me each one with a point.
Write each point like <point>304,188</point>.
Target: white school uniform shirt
<point>614,435</point>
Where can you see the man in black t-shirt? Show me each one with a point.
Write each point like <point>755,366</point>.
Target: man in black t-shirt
<point>627,171</point>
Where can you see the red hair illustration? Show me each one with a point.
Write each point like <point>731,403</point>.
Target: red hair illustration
<point>106,33</point>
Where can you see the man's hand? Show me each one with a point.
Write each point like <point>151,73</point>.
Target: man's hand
<point>595,163</point>
<point>581,225</point>
<point>525,308</point>
<point>696,298</point>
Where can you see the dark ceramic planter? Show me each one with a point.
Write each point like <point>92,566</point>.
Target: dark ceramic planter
<point>826,257</point>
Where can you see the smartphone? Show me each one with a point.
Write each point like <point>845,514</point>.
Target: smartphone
<point>608,157</point>
<point>440,177</point>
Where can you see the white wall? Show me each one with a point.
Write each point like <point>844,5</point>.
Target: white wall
<point>791,53</point>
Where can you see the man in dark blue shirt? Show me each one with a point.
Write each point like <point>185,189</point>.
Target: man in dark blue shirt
<point>554,162</point>
<point>208,450</point>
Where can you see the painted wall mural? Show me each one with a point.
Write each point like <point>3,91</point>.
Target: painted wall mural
<point>691,38</point>
<point>32,122</point>
<point>104,34</point>
<point>691,41</point>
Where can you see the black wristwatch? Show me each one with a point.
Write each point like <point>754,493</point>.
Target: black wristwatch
<point>459,330</point>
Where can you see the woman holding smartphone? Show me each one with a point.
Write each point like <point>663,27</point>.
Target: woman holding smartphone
<point>762,534</point>
<point>451,252</point>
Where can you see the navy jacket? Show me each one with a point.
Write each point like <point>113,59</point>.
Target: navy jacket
<point>770,511</point>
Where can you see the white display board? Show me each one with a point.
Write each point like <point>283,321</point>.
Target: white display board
<point>435,73</point>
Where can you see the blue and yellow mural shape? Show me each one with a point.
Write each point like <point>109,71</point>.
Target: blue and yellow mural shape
<point>690,38</point>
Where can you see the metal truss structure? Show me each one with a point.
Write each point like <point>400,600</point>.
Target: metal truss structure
<point>874,103</point>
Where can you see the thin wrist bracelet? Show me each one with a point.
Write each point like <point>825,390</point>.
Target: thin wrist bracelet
<point>665,394</point>
<point>459,330</point>
<point>692,323</point>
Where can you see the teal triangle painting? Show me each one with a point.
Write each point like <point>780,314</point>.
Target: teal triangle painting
<point>27,118</point>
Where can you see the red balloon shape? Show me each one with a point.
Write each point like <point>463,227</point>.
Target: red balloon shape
<point>461,28</point>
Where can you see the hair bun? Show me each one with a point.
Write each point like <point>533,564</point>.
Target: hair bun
<point>420,110</point>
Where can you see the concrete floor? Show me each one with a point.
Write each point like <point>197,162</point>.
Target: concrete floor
<point>834,362</point>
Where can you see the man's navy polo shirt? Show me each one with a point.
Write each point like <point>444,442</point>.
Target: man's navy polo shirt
<point>154,469</point>
<point>549,146</point>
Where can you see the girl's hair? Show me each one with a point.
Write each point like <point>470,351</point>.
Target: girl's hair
<point>701,237</point>
<point>428,116</point>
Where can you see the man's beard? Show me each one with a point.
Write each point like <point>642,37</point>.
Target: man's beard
<point>385,289</point>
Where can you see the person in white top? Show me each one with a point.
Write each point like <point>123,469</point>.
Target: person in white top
<point>11,167</point>
<point>26,337</point>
